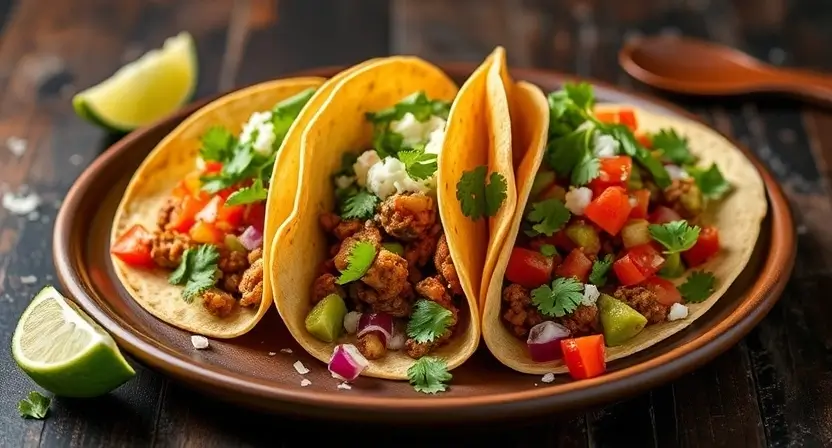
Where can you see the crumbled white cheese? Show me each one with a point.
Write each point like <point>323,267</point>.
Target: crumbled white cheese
<point>200,163</point>
<point>76,159</point>
<point>362,166</point>
<point>265,139</point>
<point>16,145</point>
<point>676,172</point>
<point>633,202</point>
<point>259,131</point>
<point>604,145</point>
<point>305,382</point>
<point>199,342</point>
<point>390,176</point>
<point>286,350</point>
<point>577,199</point>
<point>300,368</point>
<point>272,353</point>
<point>343,182</point>
<point>591,295</point>
<point>414,131</point>
<point>351,322</point>
<point>344,386</point>
<point>435,142</point>
<point>28,279</point>
<point>21,204</point>
<point>548,378</point>
<point>677,311</point>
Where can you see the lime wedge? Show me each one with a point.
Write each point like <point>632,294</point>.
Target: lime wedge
<point>65,351</point>
<point>144,90</point>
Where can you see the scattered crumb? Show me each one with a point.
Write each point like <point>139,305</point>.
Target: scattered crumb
<point>300,368</point>
<point>28,279</point>
<point>199,342</point>
<point>777,56</point>
<point>76,159</point>
<point>16,145</point>
<point>34,216</point>
<point>548,378</point>
<point>344,386</point>
<point>535,384</point>
<point>304,382</point>
<point>21,204</point>
<point>286,350</point>
<point>272,353</point>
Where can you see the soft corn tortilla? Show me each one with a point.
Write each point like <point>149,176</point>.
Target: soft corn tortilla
<point>169,162</point>
<point>340,127</point>
<point>738,217</point>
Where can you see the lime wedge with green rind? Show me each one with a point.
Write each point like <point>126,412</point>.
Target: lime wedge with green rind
<point>66,352</point>
<point>145,90</point>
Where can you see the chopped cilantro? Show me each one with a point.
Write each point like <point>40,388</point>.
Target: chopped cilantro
<point>197,271</point>
<point>418,164</point>
<point>217,144</point>
<point>35,405</point>
<point>621,133</point>
<point>548,216</point>
<point>587,169</point>
<point>417,104</point>
<point>429,375</point>
<point>653,166</point>
<point>710,181</point>
<point>581,94</point>
<point>673,146</point>
<point>477,198</point>
<point>560,299</point>
<point>698,287</point>
<point>348,159</point>
<point>600,270</point>
<point>285,112</point>
<point>564,153</point>
<point>361,205</point>
<point>429,321</point>
<point>386,142</point>
<point>361,258</point>
<point>548,250</point>
<point>248,195</point>
<point>675,236</point>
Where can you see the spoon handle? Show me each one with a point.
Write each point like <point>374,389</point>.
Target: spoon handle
<point>806,83</point>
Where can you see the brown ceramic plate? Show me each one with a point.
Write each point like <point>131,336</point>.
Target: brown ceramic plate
<point>253,371</point>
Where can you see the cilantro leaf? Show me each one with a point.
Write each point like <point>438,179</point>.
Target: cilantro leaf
<point>386,142</point>
<point>361,258</point>
<point>600,270</point>
<point>653,166</point>
<point>418,164</point>
<point>710,181</point>
<point>626,140</point>
<point>35,405</point>
<point>560,299</point>
<point>217,144</point>
<point>564,153</point>
<point>240,162</point>
<point>548,216</point>
<point>673,146</point>
<point>429,321</point>
<point>285,112</point>
<point>548,250</point>
<point>587,169</point>
<point>361,205</point>
<point>581,94</point>
<point>429,375</point>
<point>698,287</point>
<point>417,104</point>
<point>248,195</point>
<point>478,199</point>
<point>196,272</point>
<point>675,236</point>
<point>348,159</point>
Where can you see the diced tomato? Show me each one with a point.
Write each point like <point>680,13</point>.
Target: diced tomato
<point>190,185</point>
<point>662,215</point>
<point>610,210</point>
<point>529,268</point>
<point>665,290</point>
<point>644,140</point>
<point>627,117</point>
<point>212,166</point>
<point>575,265</point>
<point>627,272</point>
<point>584,356</point>
<point>255,215</point>
<point>607,116</point>
<point>225,217</point>
<point>646,258</point>
<point>209,212</point>
<point>707,245</point>
<point>613,172</point>
<point>133,247</point>
<point>205,233</point>
<point>184,215</point>
<point>642,198</point>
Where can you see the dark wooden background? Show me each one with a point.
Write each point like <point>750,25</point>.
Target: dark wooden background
<point>774,388</point>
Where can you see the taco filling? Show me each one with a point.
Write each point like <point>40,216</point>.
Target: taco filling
<point>613,217</point>
<point>209,231</point>
<point>390,283</point>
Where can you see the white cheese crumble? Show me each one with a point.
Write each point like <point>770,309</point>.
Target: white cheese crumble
<point>300,368</point>
<point>591,295</point>
<point>676,172</point>
<point>28,279</point>
<point>286,350</point>
<point>548,378</point>
<point>259,131</point>
<point>344,386</point>
<point>21,204</point>
<point>76,159</point>
<point>604,145</point>
<point>16,145</point>
<point>577,199</point>
<point>414,131</point>
<point>199,342</point>
<point>677,312</point>
<point>633,202</point>
<point>272,353</point>
<point>362,166</point>
<point>305,382</point>
<point>351,322</point>
<point>435,142</point>
<point>343,182</point>
<point>200,163</point>
<point>389,176</point>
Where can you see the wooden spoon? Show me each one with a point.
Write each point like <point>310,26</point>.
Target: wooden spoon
<point>695,67</point>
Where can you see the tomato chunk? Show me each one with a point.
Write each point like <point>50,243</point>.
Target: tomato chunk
<point>529,268</point>
<point>212,166</point>
<point>642,199</point>
<point>609,210</point>
<point>575,265</point>
<point>665,290</point>
<point>184,215</point>
<point>627,117</point>
<point>223,216</point>
<point>646,258</point>
<point>255,215</point>
<point>584,356</point>
<point>644,140</point>
<point>206,233</point>
<point>133,247</point>
<point>627,272</point>
<point>613,172</point>
<point>707,245</point>
<point>662,215</point>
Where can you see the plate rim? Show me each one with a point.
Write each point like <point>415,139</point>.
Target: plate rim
<point>760,297</point>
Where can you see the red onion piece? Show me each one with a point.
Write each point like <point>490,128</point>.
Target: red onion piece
<point>347,362</point>
<point>251,238</point>
<point>544,341</point>
<point>381,322</point>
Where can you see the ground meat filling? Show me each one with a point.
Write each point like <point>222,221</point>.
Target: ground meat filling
<point>419,252</point>
<point>341,229</point>
<point>167,248</point>
<point>581,322</point>
<point>218,302</point>
<point>520,314</point>
<point>445,266</point>
<point>644,301</point>
<point>684,196</point>
<point>251,285</point>
<point>163,217</point>
<point>407,216</point>
<point>325,285</point>
<point>432,289</point>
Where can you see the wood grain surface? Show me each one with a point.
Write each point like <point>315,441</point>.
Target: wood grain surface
<point>773,389</point>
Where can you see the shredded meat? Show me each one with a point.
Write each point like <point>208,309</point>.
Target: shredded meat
<point>368,234</point>
<point>251,285</point>
<point>163,218</point>
<point>520,314</point>
<point>167,248</point>
<point>407,216</point>
<point>684,197</point>
<point>445,266</point>
<point>338,227</point>
<point>581,322</point>
<point>432,289</point>
<point>325,285</point>
<point>217,302</point>
<point>396,306</point>
<point>419,252</point>
<point>644,301</point>
<point>371,345</point>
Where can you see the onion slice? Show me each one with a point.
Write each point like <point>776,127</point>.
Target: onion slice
<point>544,341</point>
<point>381,322</point>
<point>347,362</point>
<point>251,238</point>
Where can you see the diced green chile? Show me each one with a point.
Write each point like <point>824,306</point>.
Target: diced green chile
<point>326,320</point>
<point>620,322</point>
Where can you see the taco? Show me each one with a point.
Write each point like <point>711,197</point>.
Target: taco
<point>380,262</point>
<point>629,226</point>
<point>188,237</point>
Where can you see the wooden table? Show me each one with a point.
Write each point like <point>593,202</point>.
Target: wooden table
<point>774,388</point>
